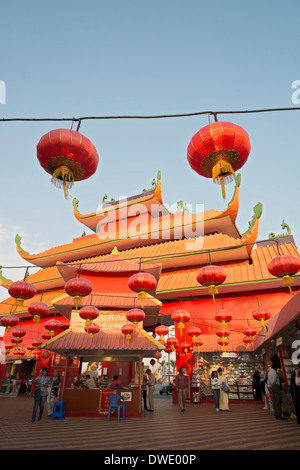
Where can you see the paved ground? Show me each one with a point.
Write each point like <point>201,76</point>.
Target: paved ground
<point>248,427</point>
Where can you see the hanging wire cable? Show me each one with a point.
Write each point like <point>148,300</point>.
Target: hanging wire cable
<point>157,116</point>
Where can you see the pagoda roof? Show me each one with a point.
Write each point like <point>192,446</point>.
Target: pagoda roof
<point>105,346</point>
<point>22,311</point>
<point>243,276</point>
<point>148,200</point>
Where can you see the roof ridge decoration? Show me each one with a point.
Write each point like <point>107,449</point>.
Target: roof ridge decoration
<point>284,225</point>
<point>257,209</point>
<point>18,239</point>
<point>4,282</point>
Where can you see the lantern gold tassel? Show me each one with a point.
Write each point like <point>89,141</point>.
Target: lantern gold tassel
<point>287,281</point>
<point>222,173</point>
<point>212,290</point>
<point>63,177</point>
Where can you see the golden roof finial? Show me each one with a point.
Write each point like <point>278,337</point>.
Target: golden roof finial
<point>115,252</point>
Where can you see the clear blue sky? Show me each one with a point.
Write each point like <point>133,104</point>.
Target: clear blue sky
<point>71,58</point>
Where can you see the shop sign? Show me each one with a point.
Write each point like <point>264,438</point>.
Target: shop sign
<point>231,355</point>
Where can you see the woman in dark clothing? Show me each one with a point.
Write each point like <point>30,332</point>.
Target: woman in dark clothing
<point>256,385</point>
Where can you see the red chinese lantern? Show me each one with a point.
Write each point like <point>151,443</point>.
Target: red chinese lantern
<point>88,314</point>
<point>128,330</point>
<point>38,310</point>
<point>185,348</point>
<point>211,276</point>
<point>9,321</point>
<point>37,352</point>
<point>46,336</point>
<point>19,352</point>
<point>218,150</point>
<point>45,355</point>
<point>162,341</point>
<point>78,288</point>
<point>68,156</point>
<point>247,341</point>
<point>17,341</point>
<point>198,344</point>
<point>18,333</point>
<point>135,316</point>
<point>286,267</point>
<point>169,350</point>
<point>172,343</point>
<point>193,332</point>
<point>162,331</point>
<point>142,283</point>
<point>181,317</point>
<point>262,315</point>
<point>36,343</point>
<point>8,347</point>
<point>152,362</point>
<point>21,291</point>
<point>52,326</point>
<point>250,333</point>
<point>30,348</point>
<point>223,316</point>
<point>92,330</point>
<point>223,342</point>
<point>223,334</point>
<point>157,355</point>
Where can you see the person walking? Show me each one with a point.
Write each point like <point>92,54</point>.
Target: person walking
<point>215,386</point>
<point>53,393</point>
<point>297,392</point>
<point>43,381</point>
<point>182,385</point>
<point>151,385</point>
<point>274,387</point>
<point>224,401</point>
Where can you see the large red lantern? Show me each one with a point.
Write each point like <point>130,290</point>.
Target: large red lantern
<point>46,336</point>
<point>172,343</point>
<point>36,343</point>
<point>8,347</point>
<point>128,330</point>
<point>88,314</point>
<point>142,283</point>
<point>21,291</point>
<point>92,329</point>
<point>18,333</point>
<point>157,354</point>
<point>185,348</point>
<point>17,341</point>
<point>135,316</point>
<point>181,317</point>
<point>223,342</point>
<point>168,350</point>
<point>52,326</point>
<point>162,331</point>
<point>193,332</point>
<point>223,334</point>
<point>286,267</point>
<point>78,288</point>
<point>9,321</point>
<point>19,352</point>
<point>68,156</point>
<point>218,150</point>
<point>223,316</point>
<point>262,315</point>
<point>198,344</point>
<point>250,333</point>
<point>211,276</point>
<point>38,310</point>
<point>247,341</point>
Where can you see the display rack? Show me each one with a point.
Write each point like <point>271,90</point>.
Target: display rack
<point>240,392</point>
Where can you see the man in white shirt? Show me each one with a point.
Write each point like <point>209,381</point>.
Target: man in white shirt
<point>273,383</point>
<point>151,384</point>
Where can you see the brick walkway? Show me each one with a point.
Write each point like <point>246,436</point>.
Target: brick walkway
<point>248,427</point>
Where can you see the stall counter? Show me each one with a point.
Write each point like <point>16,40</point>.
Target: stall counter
<point>95,402</point>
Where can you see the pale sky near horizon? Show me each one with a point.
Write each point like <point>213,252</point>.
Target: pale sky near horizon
<point>95,58</point>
